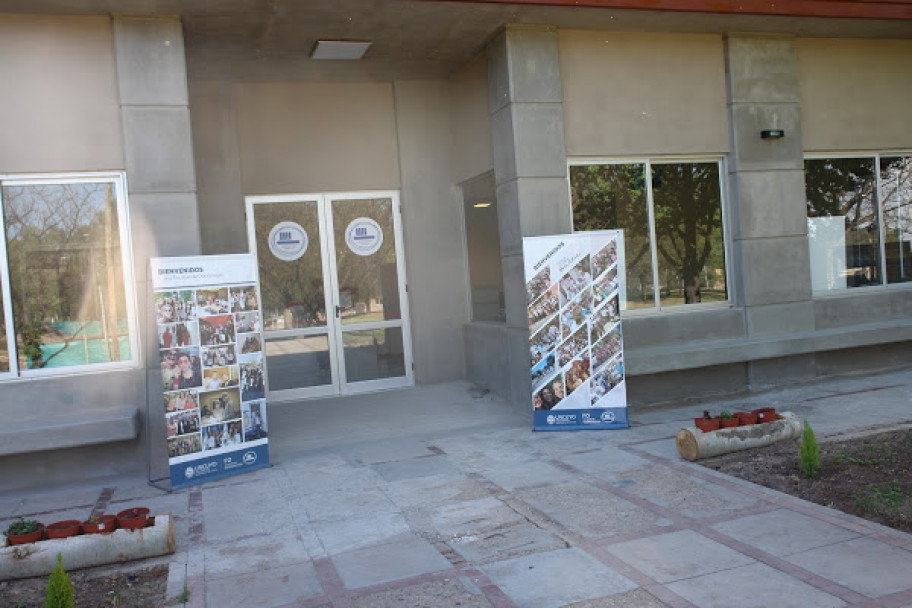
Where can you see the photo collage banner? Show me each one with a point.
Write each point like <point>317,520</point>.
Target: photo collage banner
<point>573,286</point>
<point>209,332</point>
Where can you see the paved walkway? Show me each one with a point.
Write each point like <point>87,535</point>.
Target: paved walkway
<point>437,497</point>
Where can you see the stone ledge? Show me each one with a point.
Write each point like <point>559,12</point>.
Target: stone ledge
<point>88,550</point>
<point>69,432</point>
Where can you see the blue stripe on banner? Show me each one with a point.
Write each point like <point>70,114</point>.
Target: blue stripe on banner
<point>575,420</point>
<point>217,466</point>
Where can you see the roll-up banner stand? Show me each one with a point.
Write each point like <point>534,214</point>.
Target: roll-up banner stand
<point>574,284</point>
<point>209,332</point>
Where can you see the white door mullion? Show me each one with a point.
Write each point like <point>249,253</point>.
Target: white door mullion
<point>653,247</point>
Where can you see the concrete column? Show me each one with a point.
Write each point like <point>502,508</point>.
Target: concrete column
<point>530,168</point>
<point>769,227</point>
<point>152,86</point>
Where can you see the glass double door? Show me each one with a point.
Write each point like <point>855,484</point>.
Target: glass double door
<point>332,285</point>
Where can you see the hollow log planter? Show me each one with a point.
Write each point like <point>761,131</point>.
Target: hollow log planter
<point>694,444</point>
<point>87,550</point>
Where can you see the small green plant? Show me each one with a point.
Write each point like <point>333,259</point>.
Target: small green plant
<point>59,592</point>
<point>725,415</point>
<point>809,460</point>
<point>22,526</point>
<point>185,596</point>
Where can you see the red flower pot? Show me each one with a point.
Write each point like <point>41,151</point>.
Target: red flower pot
<point>132,519</point>
<point>104,525</point>
<point>707,424</point>
<point>765,414</point>
<point>729,423</point>
<point>31,537</point>
<point>63,529</point>
<point>746,418</point>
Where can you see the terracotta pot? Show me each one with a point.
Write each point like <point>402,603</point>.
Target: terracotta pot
<point>765,414</point>
<point>727,424</point>
<point>746,418</point>
<point>134,518</point>
<point>63,529</point>
<point>104,525</point>
<point>707,425</point>
<point>31,537</point>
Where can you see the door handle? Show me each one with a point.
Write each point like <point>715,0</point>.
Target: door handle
<point>339,310</point>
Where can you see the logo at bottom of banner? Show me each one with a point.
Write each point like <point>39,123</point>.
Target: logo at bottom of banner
<point>562,420</point>
<point>197,471</point>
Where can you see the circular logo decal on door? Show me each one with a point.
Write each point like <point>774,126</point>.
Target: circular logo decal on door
<point>364,236</point>
<point>287,241</point>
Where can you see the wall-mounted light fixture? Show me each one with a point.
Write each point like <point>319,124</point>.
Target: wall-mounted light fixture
<point>772,134</point>
<point>481,205</point>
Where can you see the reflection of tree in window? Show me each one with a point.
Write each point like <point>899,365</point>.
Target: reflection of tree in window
<point>607,197</point>
<point>688,224</point>
<point>66,275</point>
<point>845,187</point>
<point>896,189</point>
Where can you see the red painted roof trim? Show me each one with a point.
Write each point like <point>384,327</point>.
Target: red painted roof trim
<point>858,9</point>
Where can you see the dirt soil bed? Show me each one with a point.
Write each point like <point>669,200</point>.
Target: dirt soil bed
<point>96,588</point>
<point>869,476</point>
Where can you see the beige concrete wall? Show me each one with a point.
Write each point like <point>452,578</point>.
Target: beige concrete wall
<point>470,121</point>
<point>59,104</point>
<point>855,93</point>
<point>312,137</point>
<point>635,93</point>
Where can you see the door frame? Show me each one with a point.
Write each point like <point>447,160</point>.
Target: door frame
<point>334,327</point>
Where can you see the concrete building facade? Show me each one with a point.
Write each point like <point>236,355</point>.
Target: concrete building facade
<point>194,114</point>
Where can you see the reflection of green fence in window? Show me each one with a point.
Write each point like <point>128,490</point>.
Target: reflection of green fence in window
<point>66,274</point>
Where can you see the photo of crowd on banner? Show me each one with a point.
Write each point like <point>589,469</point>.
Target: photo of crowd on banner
<point>211,368</point>
<point>576,347</point>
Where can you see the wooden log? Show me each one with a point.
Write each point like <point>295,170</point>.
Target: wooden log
<point>694,444</point>
<point>87,550</point>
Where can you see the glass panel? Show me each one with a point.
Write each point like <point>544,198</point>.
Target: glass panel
<point>896,186</point>
<point>66,274</point>
<point>373,353</point>
<point>366,260</point>
<point>4,348</point>
<point>607,197</point>
<point>298,362</point>
<point>291,285</point>
<point>483,248</point>
<point>687,205</point>
<point>842,223</point>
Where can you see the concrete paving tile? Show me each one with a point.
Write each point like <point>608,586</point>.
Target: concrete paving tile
<point>687,495</point>
<point>250,554</point>
<point>415,467</point>
<point>338,536</point>
<point>589,511</point>
<point>752,586</point>
<point>511,540</point>
<point>663,446</point>
<point>232,511</point>
<point>606,463</point>
<point>265,588</point>
<point>523,473</point>
<point>409,556</point>
<point>311,478</point>
<point>677,555</point>
<point>867,566</point>
<point>388,450</point>
<point>472,517</point>
<point>340,504</point>
<point>783,532</point>
<point>448,592</point>
<point>637,598</point>
<point>555,578</point>
<point>433,491</point>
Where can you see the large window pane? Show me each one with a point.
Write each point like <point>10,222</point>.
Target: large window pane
<point>66,274</point>
<point>482,234</point>
<point>687,206</point>
<point>842,223</point>
<point>896,190</point>
<point>4,349</point>
<point>610,197</point>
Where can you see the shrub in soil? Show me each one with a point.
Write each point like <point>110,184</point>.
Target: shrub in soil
<point>809,457</point>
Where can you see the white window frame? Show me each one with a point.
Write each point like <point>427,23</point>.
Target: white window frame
<point>119,179</point>
<point>648,162</point>
<point>881,234</point>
